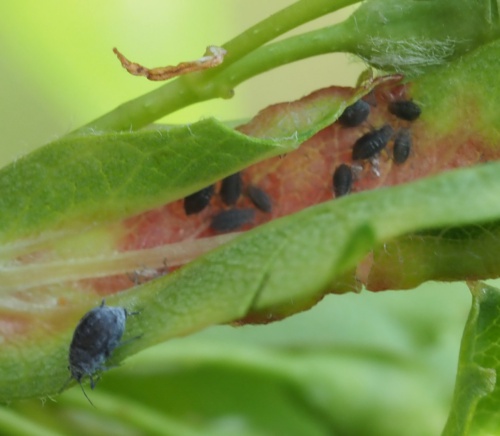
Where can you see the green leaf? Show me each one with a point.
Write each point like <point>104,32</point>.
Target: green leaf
<point>268,273</point>
<point>367,351</point>
<point>413,36</point>
<point>450,254</point>
<point>477,395</point>
<point>82,181</point>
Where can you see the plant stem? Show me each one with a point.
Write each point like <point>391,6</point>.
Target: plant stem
<point>279,23</point>
<point>327,40</point>
<point>209,84</point>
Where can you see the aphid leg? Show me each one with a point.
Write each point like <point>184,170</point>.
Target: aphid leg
<point>128,341</point>
<point>375,165</point>
<point>92,382</point>
<point>357,169</point>
<point>66,383</point>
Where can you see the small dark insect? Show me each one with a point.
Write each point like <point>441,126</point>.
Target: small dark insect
<point>355,114</point>
<point>260,199</point>
<point>199,200</point>
<point>232,219</point>
<point>402,146</point>
<point>144,274</point>
<point>231,188</point>
<point>405,109</point>
<point>371,143</point>
<point>96,336</point>
<point>342,180</point>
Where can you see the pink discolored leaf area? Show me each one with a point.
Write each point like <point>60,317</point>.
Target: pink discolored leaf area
<point>303,177</point>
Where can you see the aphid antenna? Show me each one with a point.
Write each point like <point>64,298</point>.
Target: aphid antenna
<point>80,383</point>
<point>85,393</point>
<point>135,312</point>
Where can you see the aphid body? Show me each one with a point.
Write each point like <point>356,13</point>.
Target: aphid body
<point>402,146</point>
<point>342,180</point>
<point>355,114</point>
<point>96,336</point>
<point>196,202</point>
<point>405,109</point>
<point>231,188</point>
<point>232,219</point>
<point>371,143</point>
<point>260,199</point>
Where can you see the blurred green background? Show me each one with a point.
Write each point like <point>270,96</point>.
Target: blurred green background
<point>381,364</point>
<point>59,71</point>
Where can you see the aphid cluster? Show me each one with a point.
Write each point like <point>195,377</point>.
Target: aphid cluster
<point>367,149</point>
<point>369,146</point>
<point>95,337</point>
<point>231,190</point>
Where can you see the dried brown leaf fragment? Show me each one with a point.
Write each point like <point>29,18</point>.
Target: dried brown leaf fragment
<point>213,56</point>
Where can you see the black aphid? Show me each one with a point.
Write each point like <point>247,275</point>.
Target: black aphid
<point>405,109</point>
<point>232,219</point>
<point>342,180</point>
<point>402,146</point>
<point>260,199</point>
<point>96,336</point>
<point>355,114</point>
<point>199,200</point>
<point>231,188</point>
<point>371,143</point>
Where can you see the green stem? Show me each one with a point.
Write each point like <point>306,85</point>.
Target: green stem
<point>277,24</point>
<point>327,40</point>
<point>198,87</point>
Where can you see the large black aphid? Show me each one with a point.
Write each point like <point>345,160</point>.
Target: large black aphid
<point>260,199</point>
<point>405,109</point>
<point>342,180</point>
<point>372,143</point>
<point>355,114</point>
<point>231,188</point>
<point>97,334</point>
<point>232,219</point>
<point>199,200</point>
<point>402,146</point>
